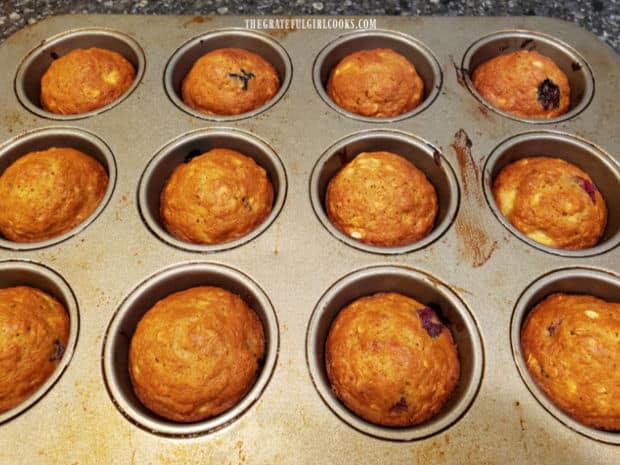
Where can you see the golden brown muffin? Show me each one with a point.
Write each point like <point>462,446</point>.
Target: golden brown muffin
<point>44,194</point>
<point>390,360</point>
<point>196,353</point>
<point>229,81</point>
<point>524,83</point>
<point>216,197</point>
<point>84,80</point>
<point>571,346</point>
<point>34,330</point>
<point>379,83</point>
<point>551,201</point>
<point>381,198</point>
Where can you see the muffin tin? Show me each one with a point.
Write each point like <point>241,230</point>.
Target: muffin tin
<point>297,270</point>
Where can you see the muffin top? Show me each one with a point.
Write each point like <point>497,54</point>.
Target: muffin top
<point>381,198</point>
<point>44,194</point>
<point>34,330</point>
<point>378,83</point>
<point>390,360</point>
<point>195,353</point>
<point>524,83</point>
<point>552,202</point>
<point>84,80</point>
<point>229,81</point>
<point>216,197</point>
<point>571,346</point>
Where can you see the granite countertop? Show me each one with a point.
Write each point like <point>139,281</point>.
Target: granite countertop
<point>601,17</point>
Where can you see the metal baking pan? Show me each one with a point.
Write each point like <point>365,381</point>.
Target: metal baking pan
<point>297,270</point>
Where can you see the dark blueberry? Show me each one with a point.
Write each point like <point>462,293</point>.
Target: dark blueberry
<point>588,187</point>
<point>549,94</point>
<point>553,326</point>
<point>57,351</point>
<point>430,322</point>
<point>244,76</point>
<point>399,406</point>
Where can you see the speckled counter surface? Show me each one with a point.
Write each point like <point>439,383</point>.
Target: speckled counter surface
<point>601,17</point>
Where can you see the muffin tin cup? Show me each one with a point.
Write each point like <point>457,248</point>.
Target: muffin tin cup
<point>568,60</point>
<point>426,289</point>
<point>27,273</point>
<point>578,280</point>
<point>32,68</point>
<point>117,340</point>
<point>602,168</point>
<point>190,144</point>
<point>416,52</point>
<point>59,136</point>
<point>185,56</point>
<point>421,153</point>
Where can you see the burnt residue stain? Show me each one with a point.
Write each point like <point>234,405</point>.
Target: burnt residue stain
<point>197,20</point>
<point>474,245</point>
<point>54,55</point>
<point>484,110</point>
<point>13,121</point>
<point>470,175</point>
<point>460,73</point>
<point>520,412</point>
<point>244,76</point>
<point>575,66</point>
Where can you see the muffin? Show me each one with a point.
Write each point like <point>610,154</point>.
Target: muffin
<point>229,81</point>
<point>552,202</point>
<point>44,194</point>
<point>84,80</point>
<point>390,360</point>
<point>571,344</point>
<point>34,330</point>
<point>195,354</point>
<point>216,197</point>
<point>378,83</point>
<point>524,83</point>
<point>381,198</point>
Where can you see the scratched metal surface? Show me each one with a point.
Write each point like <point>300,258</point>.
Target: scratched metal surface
<point>296,259</point>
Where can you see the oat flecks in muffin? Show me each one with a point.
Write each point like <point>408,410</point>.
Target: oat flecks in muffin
<point>229,81</point>
<point>378,83</point>
<point>84,80</point>
<point>571,347</point>
<point>524,83</point>
<point>45,194</point>
<point>196,353</point>
<point>216,197</point>
<point>552,202</point>
<point>34,330</point>
<point>385,366</point>
<point>381,198</point>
